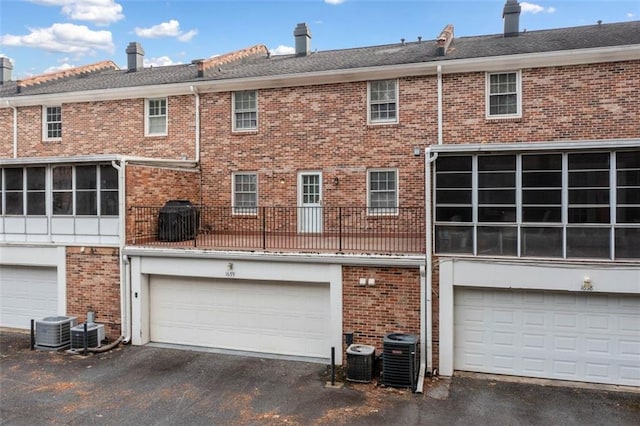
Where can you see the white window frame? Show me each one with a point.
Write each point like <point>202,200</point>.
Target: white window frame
<point>243,211</point>
<point>488,94</point>
<point>148,116</point>
<point>383,211</point>
<point>369,103</point>
<point>235,111</point>
<point>46,122</point>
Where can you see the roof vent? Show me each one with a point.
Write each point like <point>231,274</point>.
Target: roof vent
<point>511,16</point>
<point>135,56</point>
<point>302,34</point>
<point>5,70</point>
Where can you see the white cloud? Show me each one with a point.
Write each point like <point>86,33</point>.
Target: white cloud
<point>630,15</point>
<point>61,67</point>
<point>166,29</point>
<point>535,8</point>
<point>283,50</point>
<point>65,38</point>
<point>161,61</point>
<point>334,1</point>
<point>99,12</point>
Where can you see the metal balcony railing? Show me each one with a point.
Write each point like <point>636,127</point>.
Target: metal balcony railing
<point>399,230</point>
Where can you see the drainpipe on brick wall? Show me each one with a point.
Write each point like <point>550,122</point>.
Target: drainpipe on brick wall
<point>440,105</point>
<point>15,129</point>
<point>194,90</point>
<point>125,283</point>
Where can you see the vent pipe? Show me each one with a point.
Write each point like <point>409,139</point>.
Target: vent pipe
<point>5,70</point>
<point>511,16</point>
<point>135,56</point>
<point>302,34</point>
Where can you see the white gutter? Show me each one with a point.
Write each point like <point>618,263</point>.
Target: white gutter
<point>125,284</point>
<point>194,90</point>
<point>15,129</point>
<point>607,144</point>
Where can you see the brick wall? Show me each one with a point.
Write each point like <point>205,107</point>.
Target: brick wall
<point>153,186</point>
<point>320,128</point>
<point>391,306</point>
<point>558,103</point>
<point>107,127</point>
<point>6,133</point>
<point>93,284</point>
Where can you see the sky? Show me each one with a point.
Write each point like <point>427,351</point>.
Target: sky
<point>42,36</point>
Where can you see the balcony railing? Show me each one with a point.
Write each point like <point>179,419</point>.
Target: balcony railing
<point>398,230</point>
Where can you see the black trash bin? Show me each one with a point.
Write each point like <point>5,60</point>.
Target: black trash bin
<point>178,221</point>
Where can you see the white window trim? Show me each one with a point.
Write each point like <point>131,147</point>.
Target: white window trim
<point>233,113</point>
<point>146,117</point>
<point>45,130</point>
<point>383,122</point>
<point>375,211</point>
<point>487,99</point>
<point>243,211</point>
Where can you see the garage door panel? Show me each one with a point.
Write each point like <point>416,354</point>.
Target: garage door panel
<point>27,293</point>
<point>280,318</point>
<point>584,337</point>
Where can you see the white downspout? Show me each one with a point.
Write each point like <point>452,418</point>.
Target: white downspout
<point>15,129</point>
<point>194,90</point>
<point>426,279</point>
<point>125,282</point>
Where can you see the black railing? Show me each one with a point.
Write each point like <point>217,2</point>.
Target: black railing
<point>305,229</point>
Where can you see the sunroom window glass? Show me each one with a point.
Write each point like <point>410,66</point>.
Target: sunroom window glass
<point>382,191</point>
<point>86,191</point>
<point>53,122</point>
<point>503,94</point>
<point>627,232</point>
<point>383,102</point>
<point>14,191</point>
<point>108,191</point>
<point>36,191</point>
<point>454,209</point>
<point>245,193</point>
<point>157,116</point>
<point>541,234</point>
<point>63,190</point>
<point>245,110</point>
<point>589,205</point>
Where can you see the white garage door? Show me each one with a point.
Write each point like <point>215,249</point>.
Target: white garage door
<point>27,293</point>
<point>582,337</point>
<point>266,317</point>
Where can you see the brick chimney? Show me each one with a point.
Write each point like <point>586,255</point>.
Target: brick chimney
<point>444,40</point>
<point>5,70</point>
<point>135,56</point>
<point>302,35</point>
<point>511,16</point>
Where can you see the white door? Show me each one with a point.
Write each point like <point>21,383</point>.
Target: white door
<point>27,293</point>
<point>310,202</point>
<point>257,316</point>
<point>557,335</point>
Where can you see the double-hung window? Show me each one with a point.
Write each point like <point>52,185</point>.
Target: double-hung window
<point>156,117</point>
<point>245,193</point>
<point>382,192</point>
<point>504,95</point>
<point>383,101</point>
<point>52,123</point>
<point>245,110</point>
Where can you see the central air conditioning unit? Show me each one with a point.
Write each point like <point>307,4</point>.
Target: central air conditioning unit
<point>360,363</point>
<point>53,333</point>
<point>95,336</point>
<point>400,360</point>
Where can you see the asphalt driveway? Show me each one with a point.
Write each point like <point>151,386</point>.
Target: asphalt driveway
<point>159,386</point>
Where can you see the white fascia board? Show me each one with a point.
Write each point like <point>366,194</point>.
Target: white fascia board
<point>100,158</point>
<point>449,66</point>
<point>345,259</point>
<point>563,145</point>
